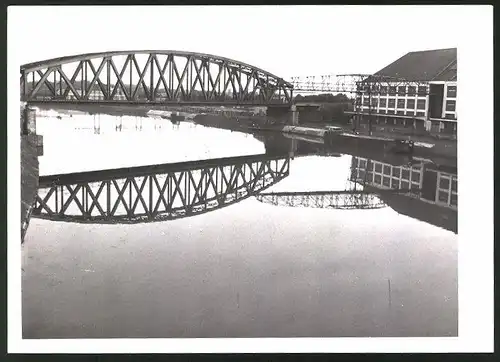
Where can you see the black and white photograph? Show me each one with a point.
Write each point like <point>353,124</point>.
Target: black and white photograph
<point>249,172</point>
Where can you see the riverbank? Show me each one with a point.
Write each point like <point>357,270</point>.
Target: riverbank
<point>426,146</point>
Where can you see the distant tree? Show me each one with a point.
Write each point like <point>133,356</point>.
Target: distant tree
<point>322,98</point>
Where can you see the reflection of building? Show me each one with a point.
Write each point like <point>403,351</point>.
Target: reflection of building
<point>433,196</point>
<point>427,96</point>
<point>435,186</point>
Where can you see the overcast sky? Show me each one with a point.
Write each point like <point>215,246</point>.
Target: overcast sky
<point>284,40</point>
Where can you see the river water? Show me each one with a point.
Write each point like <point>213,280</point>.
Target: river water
<point>251,269</point>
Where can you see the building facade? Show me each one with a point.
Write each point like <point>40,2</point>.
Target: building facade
<point>418,90</point>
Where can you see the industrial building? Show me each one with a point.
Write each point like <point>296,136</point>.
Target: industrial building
<point>418,90</point>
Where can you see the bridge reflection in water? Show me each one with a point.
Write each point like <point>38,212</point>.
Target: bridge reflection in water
<point>157,192</point>
<point>344,200</point>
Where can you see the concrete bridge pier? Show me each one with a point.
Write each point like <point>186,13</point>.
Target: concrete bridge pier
<point>31,149</point>
<point>292,115</point>
<point>308,112</point>
<point>283,114</point>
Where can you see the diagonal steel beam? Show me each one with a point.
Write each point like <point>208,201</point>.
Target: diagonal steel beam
<point>72,81</point>
<point>162,76</point>
<point>139,197</point>
<point>40,83</point>
<point>72,196</point>
<point>69,84</point>
<point>141,77</point>
<point>120,196</point>
<point>95,198</point>
<point>177,190</point>
<point>180,79</point>
<point>96,79</point>
<point>198,78</point>
<point>119,80</point>
<point>216,83</point>
<point>161,197</point>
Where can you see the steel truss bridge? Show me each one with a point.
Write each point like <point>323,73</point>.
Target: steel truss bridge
<point>344,200</point>
<point>158,192</point>
<point>152,77</point>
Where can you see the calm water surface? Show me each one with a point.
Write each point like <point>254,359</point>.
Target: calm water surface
<point>251,269</point>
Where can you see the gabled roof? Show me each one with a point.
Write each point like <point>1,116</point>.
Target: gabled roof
<point>427,65</point>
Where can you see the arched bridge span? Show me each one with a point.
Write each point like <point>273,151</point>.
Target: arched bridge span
<point>158,192</point>
<point>152,77</point>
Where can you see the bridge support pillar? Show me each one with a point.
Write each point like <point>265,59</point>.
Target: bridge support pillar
<point>283,114</point>
<point>309,113</point>
<point>31,148</point>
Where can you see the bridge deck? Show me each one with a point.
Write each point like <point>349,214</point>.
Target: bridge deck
<point>138,171</point>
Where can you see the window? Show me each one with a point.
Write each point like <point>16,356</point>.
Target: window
<point>412,90</point>
<point>387,170</point>
<point>450,106</point>
<point>453,200</point>
<point>383,111</point>
<point>402,90</point>
<point>422,90</point>
<point>395,183</point>
<point>392,91</point>
<point>382,103</point>
<point>420,114</point>
<point>362,163</point>
<point>378,179</point>
<point>383,90</point>
<point>401,103</point>
<point>396,171</point>
<point>454,184</point>
<point>443,196</point>
<point>400,113</point>
<point>405,185</point>
<point>415,176</point>
<point>421,104</point>
<point>452,91</point>
<point>378,167</point>
<point>410,113</point>
<point>392,103</point>
<point>390,111</point>
<point>387,181</point>
<point>410,104</point>
<point>366,101</point>
<point>444,183</point>
<point>450,116</point>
